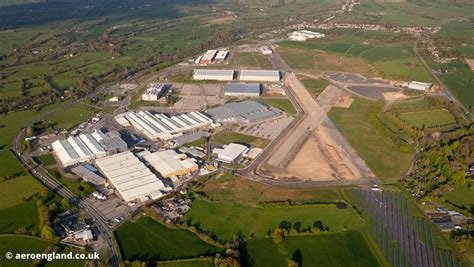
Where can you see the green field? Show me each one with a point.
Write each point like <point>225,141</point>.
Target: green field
<point>149,240</point>
<point>24,215</point>
<point>432,118</point>
<point>347,248</point>
<point>226,137</point>
<point>282,104</point>
<point>250,60</point>
<point>297,58</point>
<point>228,188</point>
<point>187,263</point>
<point>405,69</point>
<point>12,191</point>
<point>226,220</point>
<point>461,196</point>
<point>314,86</point>
<point>47,160</point>
<point>377,146</point>
<point>71,117</point>
<point>14,167</point>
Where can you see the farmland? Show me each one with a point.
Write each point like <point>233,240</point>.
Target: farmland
<point>316,250</point>
<point>462,196</point>
<point>12,191</point>
<point>24,215</point>
<point>226,137</point>
<point>228,188</point>
<point>282,104</point>
<point>147,240</point>
<point>250,60</point>
<point>380,148</point>
<point>71,116</point>
<point>14,167</point>
<point>226,220</point>
<point>428,119</point>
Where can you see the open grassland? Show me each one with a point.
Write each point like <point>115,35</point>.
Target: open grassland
<point>462,196</point>
<point>11,165</point>
<point>377,146</point>
<point>149,240</point>
<point>226,220</point>
<point>72,116</point>
<point>226,137</point>
<point>24,215</point>
<point>263,252</point>
<point>297,58</point>
<point>228,188</point>
<point>12,191</point>
<point>251,60</point>
<point>282,104</point>
<point>405,69</point>
<point>347,248</point>
<point>47,160</point>
<point>314,86</point>
<point>200,262</point>
<point>432,118</point>
<point>20,244</point>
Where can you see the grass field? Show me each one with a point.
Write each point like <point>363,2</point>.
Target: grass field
<point>47,160</point>
<point>187,263</point>
<point>283,104</point>
<point>250,60</point>
<point>24,215</point>
<point>228,188</point>
<point>263,252</point>
<point>347,248</point>
<point>297,58</point>
<point>430,118</point>
<point>72,116</point>
<point>12,191</point>
<point>405,69</point>
<point>461,196</point>
<point>11,164</point>
<point>226,220</point>
<point>226,137</point>
<point>149,240</point>
<point>314,86</point>
<point>21,245</point>
<point>378,147</point>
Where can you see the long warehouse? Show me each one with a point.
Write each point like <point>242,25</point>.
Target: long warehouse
<point>260,75</point>
<point>160,126</point>
<point>213,75</point>
<point>169,163</point>
<point>132,179</point>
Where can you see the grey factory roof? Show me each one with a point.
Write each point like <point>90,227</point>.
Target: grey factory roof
<point>190,137</point>
<point>88,175</point>
<point>113,142</point>
<point>243,88</point>
<point>260,73</point>
<point>248,110</point>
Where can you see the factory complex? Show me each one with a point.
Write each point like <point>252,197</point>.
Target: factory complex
<point>160,126</point>
<point>169,163</point>
<point>130,177</point>
<point>243,89</point>
<point>87,146</point>
<point>229,75</point>
<point>155,91</point>
<point>210,56</point>
<point>244,112</point>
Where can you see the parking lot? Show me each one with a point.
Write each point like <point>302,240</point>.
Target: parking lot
<point>198,97</point>
<point>268,129</point>
<point>112,208</point>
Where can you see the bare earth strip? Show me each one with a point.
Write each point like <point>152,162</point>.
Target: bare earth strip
<point>314,150</point>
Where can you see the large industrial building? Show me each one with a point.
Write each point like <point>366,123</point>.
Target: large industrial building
<point>208,57</point>
<point>266,50</point>
<point>420,86</point>
<point>213,75</point>
<point>242,89</point>
<point>244,112</point>
<point>222,55</point>
<point>230,153</point>
<point>155,91</point>
<point>160,126</point>
<point>130,177</point>
<point>260,75</point>
<point>85,147</point>
<point>169,163</point>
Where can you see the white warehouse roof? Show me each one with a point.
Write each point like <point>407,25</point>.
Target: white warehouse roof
<point>132,179</point>
<point>169,163</point>
<point>260,75</point>
<point>230,152</point>
<point>217,75</point>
